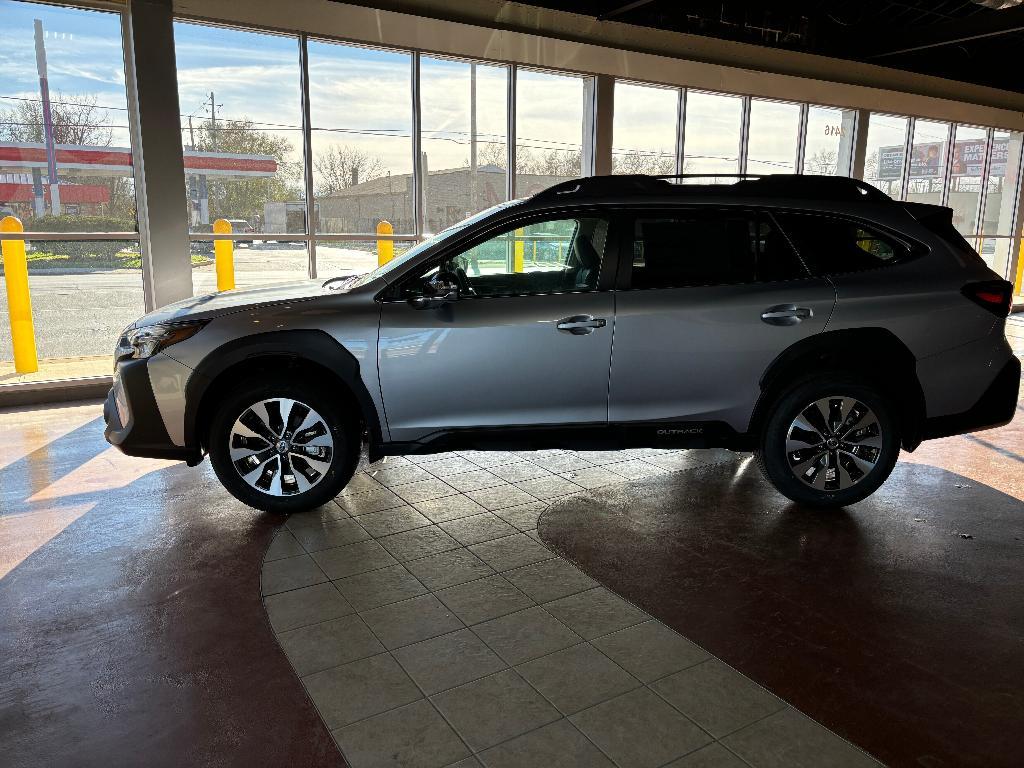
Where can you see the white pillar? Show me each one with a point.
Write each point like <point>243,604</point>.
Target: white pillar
<point>157,151</point>
<point>598,115</point>
<point>860,140</point>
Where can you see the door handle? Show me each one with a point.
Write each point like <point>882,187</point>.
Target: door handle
<point>579,325</point>
<point>786,314</point>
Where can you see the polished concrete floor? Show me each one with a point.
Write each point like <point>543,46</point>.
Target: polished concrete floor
<point>431,627</point>
<point>670,610</point>
<point>898,623</point>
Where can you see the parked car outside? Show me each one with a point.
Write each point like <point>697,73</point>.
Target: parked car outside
<point>241,227</point>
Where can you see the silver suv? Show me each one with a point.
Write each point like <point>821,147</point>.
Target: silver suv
<point>811,320</point>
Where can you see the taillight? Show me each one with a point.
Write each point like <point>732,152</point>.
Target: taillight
<point>994,295</point>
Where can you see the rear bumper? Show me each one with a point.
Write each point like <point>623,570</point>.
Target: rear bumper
<point>133,420</point>
<point>994,408</point>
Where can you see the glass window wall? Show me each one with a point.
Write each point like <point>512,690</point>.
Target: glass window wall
<point>828,148</point>
<point>1004,183</point>
<point>549,129</point>
<point>712,141</point>
<point>360,103</point>
<point>927,162</point>
<point>241,130</point>
<point>1001,199</point>
<point>464,149</point>
<point>66,165</point>
<point>773,136</point>
<point>644,129</point>
<point>886,146</point>
<point>966,178</point>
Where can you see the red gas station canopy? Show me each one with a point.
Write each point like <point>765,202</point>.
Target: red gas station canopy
<point>21,157</point>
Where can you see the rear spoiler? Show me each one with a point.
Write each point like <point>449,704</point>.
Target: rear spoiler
<point>930,215</point>
<point>939,220</point>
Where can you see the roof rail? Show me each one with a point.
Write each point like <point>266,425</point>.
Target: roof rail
<point>822,187</point>
<point>596,184</point>
<point>709,176</point>
<point>780,185</point>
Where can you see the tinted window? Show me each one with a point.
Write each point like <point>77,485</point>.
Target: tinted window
<point>831,245</point>
<point>709,248</point>
<point>543,257</point>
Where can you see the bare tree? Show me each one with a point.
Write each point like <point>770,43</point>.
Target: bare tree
<point>871,166</point>
<point>77,119</point>
<point>491,153</point>
<point>635,161</point>
<point>823,163</point>
<point>340,166</point>
<point>556,162</point>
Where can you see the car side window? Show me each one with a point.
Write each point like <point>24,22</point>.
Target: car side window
<point>699,248</point>
<point>832,245</point>
<point>554,256</point>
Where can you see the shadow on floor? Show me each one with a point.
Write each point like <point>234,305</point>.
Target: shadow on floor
<point>131,626</point>
<point>897,622</point>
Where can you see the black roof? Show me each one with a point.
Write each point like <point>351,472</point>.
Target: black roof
<point>771,186</point>
<point>977,41</point>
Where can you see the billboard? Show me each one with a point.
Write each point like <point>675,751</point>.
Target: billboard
<point>926,160</point>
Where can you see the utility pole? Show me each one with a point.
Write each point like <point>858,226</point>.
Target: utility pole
<point>213,122</point>
<point>204,193</point>
<point>44,90</point>
<point>193,183</point>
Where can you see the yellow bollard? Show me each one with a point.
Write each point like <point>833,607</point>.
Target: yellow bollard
<point>535,253</point>
<point>385,248</point>
<point>19,302</point>
<point>517,255</point>
<point>224,253</point>
<point>1020,270</point>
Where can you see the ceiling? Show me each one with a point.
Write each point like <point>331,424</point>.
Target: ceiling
<point>965,40</point>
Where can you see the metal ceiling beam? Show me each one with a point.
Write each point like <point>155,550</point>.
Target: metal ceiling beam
<point>623,9</point>
<point>975,27</point>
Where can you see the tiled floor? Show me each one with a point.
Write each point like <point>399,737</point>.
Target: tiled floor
<point>432,628</point>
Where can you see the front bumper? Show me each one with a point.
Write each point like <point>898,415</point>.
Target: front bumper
<point>134,425</point>
<point>994,408</point>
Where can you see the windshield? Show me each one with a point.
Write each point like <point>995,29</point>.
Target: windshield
<point>432,240</point>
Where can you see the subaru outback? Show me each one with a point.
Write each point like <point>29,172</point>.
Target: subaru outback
<point>811,320</point>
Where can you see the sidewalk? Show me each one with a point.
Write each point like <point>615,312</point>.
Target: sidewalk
<point>58,369</point>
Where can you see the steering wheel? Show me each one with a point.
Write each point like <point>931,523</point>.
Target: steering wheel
<point>462,279</point>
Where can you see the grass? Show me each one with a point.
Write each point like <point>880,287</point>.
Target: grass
<point>126,259</point>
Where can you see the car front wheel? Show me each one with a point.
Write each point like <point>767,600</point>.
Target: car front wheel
<point>283,447</point>
<point>829,442</point>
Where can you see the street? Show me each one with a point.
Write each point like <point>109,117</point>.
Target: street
<point>82,314</point>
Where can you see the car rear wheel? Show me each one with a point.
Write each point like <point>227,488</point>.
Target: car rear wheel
<point>829,442</point>
<point>283,447</point>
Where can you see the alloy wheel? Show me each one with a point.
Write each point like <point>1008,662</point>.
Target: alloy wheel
<point>281,447</point>
<point>834,443</point>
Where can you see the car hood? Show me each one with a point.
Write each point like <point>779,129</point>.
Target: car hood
<point>211,305</point>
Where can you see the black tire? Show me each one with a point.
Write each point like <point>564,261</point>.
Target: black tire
<point>775,461</point>
<point>340,427</point>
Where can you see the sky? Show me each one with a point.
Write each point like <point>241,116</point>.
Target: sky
<point>83,52</point>
<point>358,96</point>
<point>361,97</point>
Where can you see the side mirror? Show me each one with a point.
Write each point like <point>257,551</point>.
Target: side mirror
<point>439,290</point>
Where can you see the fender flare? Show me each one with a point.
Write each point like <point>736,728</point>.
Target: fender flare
<point>312,346</point>
<point>893,367</point>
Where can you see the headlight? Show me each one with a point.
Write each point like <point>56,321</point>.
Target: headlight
<point>140,343</point>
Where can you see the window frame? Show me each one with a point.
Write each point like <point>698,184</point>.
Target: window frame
<point>489,230</point>
<point>624,276</point>
<point>914,249</point>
